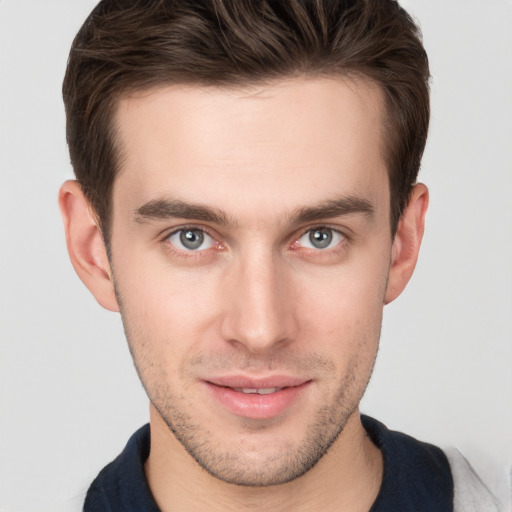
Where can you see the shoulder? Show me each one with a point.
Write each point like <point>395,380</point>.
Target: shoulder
<point>419,476</point>
<point>122,484</point>
<point>471,492</point>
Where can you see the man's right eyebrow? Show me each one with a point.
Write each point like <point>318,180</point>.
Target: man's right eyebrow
<point>162,209</point>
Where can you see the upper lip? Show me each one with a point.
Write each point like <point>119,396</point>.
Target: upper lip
<point>262,382</point>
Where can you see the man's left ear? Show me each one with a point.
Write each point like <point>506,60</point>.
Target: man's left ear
<point>407,241</point>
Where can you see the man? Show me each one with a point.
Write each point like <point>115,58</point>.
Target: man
<point>246,197</point>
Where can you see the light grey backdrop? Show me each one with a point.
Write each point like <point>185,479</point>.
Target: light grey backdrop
<point>69,395</point>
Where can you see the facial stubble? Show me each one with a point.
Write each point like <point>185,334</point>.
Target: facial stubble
<point>287,461</point>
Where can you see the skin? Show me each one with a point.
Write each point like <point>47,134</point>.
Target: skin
<point>254,172</point>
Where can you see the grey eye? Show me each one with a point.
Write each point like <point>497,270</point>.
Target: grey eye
<point>191,239</point>
<point>321,238</point>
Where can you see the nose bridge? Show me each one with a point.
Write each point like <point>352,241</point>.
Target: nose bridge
<point>260,313</point>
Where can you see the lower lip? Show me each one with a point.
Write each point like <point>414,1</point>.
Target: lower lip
<point>255,406</point>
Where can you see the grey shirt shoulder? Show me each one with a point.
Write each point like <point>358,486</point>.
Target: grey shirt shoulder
<point>471,492</point>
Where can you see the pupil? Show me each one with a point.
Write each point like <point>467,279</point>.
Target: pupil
<point>321,238</point>
<point>191,239</point>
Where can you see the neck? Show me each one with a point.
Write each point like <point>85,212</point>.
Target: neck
<point>348,477</point>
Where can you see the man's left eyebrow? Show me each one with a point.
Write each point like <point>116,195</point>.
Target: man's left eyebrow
<point>334,208</point>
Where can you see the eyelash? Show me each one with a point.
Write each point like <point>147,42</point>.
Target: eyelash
<point>190,254</point>
<point>339,247</point>
<point>330,251</point>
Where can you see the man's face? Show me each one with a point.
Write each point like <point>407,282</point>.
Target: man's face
<point>250,251</point>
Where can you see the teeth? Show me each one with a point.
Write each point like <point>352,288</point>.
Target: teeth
<point>261,391</point>
<point>267,391</point>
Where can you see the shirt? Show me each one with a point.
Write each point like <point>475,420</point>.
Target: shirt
<point>417,476</point>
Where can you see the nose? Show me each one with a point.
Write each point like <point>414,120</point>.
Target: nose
<point>260,307</point>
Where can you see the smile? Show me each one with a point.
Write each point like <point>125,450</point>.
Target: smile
<point>258,399</point>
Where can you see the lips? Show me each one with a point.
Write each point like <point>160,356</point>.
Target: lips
<point>257,398</point>
<point>266,382</point>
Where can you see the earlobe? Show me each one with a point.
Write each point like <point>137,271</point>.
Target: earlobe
<point>85,244</point>
<point>407,242</point>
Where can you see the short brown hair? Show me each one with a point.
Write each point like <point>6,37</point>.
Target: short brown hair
<point>130,45</point>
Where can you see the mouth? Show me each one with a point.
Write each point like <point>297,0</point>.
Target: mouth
<point>263,398</point>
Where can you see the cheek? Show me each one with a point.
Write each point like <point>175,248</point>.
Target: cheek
<point>175,312</point>
<point>166,311</point>
<point>346,302</point>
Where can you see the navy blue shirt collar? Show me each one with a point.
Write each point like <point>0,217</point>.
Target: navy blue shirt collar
<point>417,476</point>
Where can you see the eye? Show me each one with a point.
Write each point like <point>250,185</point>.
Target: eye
<point>320,238</point>
<point>191,240</point>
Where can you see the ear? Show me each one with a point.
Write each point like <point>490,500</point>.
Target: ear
<point>406,245</point>
<point>85,244</point>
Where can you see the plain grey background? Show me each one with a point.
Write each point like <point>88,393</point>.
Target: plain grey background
<point>69,394</point>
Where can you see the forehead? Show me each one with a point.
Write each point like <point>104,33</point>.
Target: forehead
<point>287,143</point>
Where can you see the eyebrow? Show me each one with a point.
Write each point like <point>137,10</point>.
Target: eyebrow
<point>346,205</point>
<point>162,209</point>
